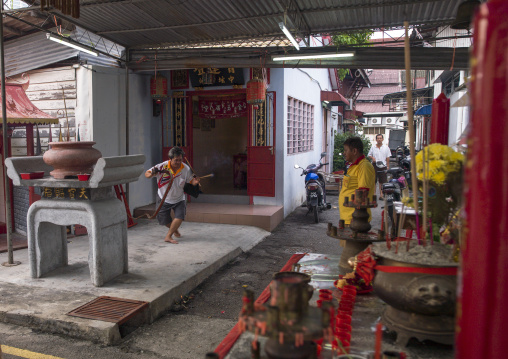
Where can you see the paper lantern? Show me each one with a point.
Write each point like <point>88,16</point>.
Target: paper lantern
<point>158,86</point>
<point>256,91</point>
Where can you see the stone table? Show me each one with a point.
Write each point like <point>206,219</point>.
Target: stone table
<point>91,203</point>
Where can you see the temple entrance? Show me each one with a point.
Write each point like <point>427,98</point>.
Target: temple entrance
<point>219,146</point>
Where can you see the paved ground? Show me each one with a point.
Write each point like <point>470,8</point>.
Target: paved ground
<point>202,319</point>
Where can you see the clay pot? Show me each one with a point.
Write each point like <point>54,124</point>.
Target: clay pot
<point>71,158</point>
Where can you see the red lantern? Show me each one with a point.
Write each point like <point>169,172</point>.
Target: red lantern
<point>256,91</point>
<point>158,86</point>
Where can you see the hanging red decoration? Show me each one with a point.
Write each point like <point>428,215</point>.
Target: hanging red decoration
<point>256,91</point>
<point>440,120</point>
<point>158,86</point>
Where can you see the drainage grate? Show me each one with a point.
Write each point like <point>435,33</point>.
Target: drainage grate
<point>109,309</point>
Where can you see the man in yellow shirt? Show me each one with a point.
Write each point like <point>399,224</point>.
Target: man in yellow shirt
<point>360,174</point>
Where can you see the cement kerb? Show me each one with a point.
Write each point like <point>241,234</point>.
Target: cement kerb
<point>104,332</point>
<point>100,332</point>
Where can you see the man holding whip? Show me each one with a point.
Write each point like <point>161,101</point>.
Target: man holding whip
<point>172,176</point>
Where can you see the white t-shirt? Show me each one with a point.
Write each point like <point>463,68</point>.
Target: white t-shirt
<point>182,176</point>
<point>380,154</point>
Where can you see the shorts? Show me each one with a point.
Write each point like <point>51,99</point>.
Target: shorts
<point>381,176</point>
<point>164,215</point>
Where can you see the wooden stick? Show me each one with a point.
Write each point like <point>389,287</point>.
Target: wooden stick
<point>66,117</point>
<point>409,97</point>
<point>209,175</point>
<point>379,336</point>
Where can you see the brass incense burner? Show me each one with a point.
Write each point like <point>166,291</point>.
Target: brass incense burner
<point>287,319</point>
<point>357,235</point>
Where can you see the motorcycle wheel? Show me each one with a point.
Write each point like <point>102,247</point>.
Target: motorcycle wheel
<point>316,216</point>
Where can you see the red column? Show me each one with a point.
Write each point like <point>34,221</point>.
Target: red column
<point>440,120</point>
<point>483,291</point>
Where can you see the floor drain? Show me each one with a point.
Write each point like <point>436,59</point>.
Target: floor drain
<point>109,309</point>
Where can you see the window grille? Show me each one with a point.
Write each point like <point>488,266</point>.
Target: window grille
<point>373,130</point>
<point>300,126</point>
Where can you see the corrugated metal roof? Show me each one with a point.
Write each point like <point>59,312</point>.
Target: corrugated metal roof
<point>20,55</point>
<point>156,22</point>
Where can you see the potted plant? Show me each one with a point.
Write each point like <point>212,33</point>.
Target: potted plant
<point>418,279</point>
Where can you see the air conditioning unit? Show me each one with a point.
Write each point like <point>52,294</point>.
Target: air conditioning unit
<point>389,120</point>
<point>374,120</point>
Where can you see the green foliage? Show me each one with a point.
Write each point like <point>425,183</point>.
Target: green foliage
<point>357,39</point>
<point>352,38</point>
<point>338,153</point>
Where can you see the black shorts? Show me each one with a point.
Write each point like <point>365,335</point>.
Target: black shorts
<point>164,215</point>
<point>381,176</point>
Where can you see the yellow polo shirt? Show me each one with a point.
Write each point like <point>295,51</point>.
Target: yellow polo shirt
<point>359,175</point>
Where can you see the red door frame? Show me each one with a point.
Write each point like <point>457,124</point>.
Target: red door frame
<point>251,197</point>
<point>189,125</point>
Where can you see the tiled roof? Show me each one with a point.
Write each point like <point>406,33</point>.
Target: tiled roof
<point>376,93</point>
<point>384,77</point>
<point>369,107</point>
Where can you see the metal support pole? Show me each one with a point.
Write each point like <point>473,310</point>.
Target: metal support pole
<point>127,115</point>
<point>5,130</point>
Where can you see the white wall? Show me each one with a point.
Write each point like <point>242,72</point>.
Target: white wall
<point>101,114</point>
<point>459,118</point>
<point>303,87</point>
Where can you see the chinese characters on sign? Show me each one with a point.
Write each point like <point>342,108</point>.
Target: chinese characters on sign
<point>222,107</point>
<point>213,76</point>
<point>66,193</point>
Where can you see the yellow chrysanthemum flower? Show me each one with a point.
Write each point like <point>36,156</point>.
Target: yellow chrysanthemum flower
<point>438,178</point>
<point>440,160</point>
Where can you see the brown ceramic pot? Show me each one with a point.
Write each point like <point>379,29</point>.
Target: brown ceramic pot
<point>71,158</point>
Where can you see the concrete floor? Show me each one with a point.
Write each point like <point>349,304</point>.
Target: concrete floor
<point>159,273</point>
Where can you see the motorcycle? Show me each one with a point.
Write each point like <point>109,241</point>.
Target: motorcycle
<point>392,191</point>
<point>403,158</point>
<point>315,188</point>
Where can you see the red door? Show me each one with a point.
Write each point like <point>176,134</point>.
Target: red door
<point>261,149</point>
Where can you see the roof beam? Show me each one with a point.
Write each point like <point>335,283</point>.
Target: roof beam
<point>294,19</point>
<point>14,30</point>
<point>423,58</point>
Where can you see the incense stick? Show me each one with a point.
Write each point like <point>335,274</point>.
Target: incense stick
<point>388,239</point>
<point>402,218</point>
<point>409,97</point>
<point>425,196</point>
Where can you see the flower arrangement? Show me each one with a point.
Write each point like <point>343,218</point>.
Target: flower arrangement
<point>441,163</point>
<point>439,172</point>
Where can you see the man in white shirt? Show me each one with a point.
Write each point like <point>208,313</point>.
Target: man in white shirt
<point>380,153</point>
<point>176,174</point>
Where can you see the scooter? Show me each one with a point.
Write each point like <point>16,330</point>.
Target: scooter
<point>315,188</point>
<point>392,192</point>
